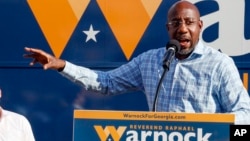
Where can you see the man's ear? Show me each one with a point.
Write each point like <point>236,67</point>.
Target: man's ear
<point>201,24</point>
<point>167,27</point>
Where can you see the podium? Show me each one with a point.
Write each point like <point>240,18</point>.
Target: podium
<point>98,125</point>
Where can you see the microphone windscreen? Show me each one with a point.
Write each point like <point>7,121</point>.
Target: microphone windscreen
<point>173,43</point>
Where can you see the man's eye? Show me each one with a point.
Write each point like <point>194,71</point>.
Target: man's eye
<point>176,23</point>
<point>189,22</point>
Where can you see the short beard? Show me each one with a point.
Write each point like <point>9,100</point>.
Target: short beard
<point>186,52</point>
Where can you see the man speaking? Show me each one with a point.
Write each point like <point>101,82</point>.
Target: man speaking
<point>200,79</point>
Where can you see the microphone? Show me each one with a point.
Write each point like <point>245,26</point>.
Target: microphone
<point>172,47</point>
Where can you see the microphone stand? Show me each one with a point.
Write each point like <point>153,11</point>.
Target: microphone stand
<point>166,68</point>
<point>172,47</point>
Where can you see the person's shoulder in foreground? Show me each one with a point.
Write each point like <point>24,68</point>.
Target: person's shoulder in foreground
<point>14,127</point>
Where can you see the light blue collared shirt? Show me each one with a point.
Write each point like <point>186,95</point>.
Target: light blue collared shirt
<point>207,81</point>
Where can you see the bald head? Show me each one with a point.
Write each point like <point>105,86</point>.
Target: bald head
<point>174,9</point>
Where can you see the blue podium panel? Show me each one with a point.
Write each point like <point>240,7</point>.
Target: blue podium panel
<point>97,125</point>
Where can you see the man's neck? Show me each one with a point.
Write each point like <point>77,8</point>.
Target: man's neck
<point>183,56</point>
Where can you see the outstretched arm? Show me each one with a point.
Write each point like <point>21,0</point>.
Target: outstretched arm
<point>46,60</point>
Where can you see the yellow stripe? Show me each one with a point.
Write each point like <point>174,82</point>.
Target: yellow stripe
<point>128,20</point>
<point>245,80</point>
<point>154,116</point>
<point>57,20</point>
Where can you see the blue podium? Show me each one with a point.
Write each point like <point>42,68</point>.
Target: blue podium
<point>96,125</point>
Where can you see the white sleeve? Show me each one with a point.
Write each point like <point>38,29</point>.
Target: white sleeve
<point>81,75</point>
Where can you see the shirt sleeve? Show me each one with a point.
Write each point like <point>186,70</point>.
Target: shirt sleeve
<point>122,79</point>
<point>81,75</point>
<point>233,95</point>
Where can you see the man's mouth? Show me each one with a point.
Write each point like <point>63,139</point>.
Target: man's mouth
<point>184,43</point>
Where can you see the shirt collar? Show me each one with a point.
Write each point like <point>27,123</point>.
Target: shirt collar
<point>199,50</point>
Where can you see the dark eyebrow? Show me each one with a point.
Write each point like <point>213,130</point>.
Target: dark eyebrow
<point>189,18</point>
<point>185,18</point>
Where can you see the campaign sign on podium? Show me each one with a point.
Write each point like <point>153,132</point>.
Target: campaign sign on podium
<point>95,125</point>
